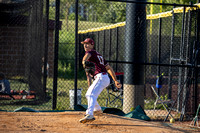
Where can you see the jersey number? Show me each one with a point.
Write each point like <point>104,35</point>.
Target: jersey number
<point>100,59</point>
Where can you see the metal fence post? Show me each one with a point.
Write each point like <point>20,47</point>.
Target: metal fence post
<point>159,49</point>
<point>76,43</point>
<point>55,76</point>
<point>46,48</point>
<point>110,44</point>
<point>171,55</point>
<point>117,46</point>
<point>197,61</point>
<point>181,59</point>
<point>104,41</point>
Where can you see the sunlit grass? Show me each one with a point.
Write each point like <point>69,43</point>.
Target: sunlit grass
<point>67,32</point>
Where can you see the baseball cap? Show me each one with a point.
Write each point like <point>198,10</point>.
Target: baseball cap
<point>88,40</point>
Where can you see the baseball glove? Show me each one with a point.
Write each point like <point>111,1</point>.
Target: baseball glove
<point>89,67</point>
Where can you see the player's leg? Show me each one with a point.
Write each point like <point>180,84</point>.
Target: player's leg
<point>91,102</point>
<point>97,107</point>
<point>92,94</point>
<point>97,110</point>
<point>101,82</point>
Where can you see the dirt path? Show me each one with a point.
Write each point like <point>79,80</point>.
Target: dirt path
<point>64,122</point>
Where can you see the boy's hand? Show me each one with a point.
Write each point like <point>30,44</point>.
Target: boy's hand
<point>117,84</point>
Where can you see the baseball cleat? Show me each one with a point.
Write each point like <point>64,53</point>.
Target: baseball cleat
<point>87,118</point>
<point>98,112</point>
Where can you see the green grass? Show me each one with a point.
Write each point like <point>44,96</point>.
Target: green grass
<point>63,97</point>
<point>82,25</point>
<point>67,33</point>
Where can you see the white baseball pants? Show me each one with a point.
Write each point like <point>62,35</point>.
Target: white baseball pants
<point>101,81</point>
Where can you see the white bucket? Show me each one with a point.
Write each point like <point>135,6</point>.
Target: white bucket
<point>71,97</point>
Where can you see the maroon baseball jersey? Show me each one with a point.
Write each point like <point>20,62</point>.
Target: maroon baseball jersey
<point>98,60</point>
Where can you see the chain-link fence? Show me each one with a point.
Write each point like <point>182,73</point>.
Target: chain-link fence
<point>146,48</point>
<point>22,29</point>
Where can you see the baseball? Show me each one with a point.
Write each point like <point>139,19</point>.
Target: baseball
<point>172,120</point>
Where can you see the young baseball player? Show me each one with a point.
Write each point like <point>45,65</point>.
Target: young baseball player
<point>101,79</point>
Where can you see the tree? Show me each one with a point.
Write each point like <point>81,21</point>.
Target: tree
<point>120,9</point>
<point>66,4</point>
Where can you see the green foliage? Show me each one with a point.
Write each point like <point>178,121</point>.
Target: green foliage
<point>115,13</point>
<point>165,97</point>
<point>66,70</point>
<point>72,17</point>
<point>120,10</point>
<point>106,12</point>
<point>149,103</point>
<point>66,37</point>
<point>132,108</point>
<point>160,106</point>
<point>51,12</point>
<point>109,16</point>
<point>60,106</point>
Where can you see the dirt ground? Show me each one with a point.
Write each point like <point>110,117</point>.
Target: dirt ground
<point>64,122</point>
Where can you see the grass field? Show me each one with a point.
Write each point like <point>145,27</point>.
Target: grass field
<point>67,33</point>
<point>63,97</point>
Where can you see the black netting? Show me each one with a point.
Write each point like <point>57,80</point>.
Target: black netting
<point>140,43</point>
<point>22,45</point>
